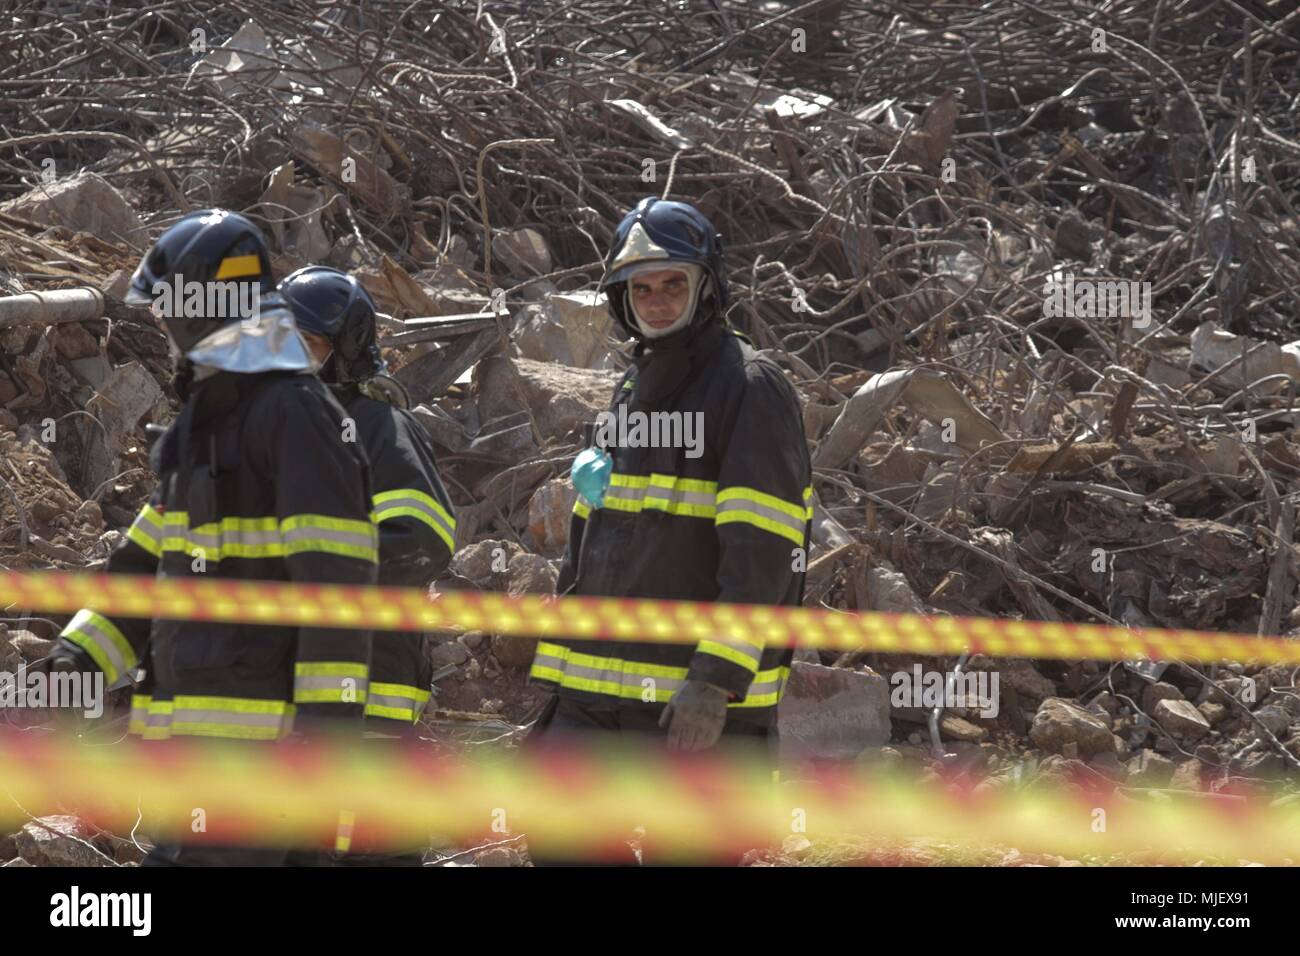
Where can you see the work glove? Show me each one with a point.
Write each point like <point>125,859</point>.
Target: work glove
<point>694,716</point>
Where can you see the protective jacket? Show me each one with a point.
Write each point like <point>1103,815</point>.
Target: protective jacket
<point>417,538</point>
<point>255,483</point>
<point>725,520</point>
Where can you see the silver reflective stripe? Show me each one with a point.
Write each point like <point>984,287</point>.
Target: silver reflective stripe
<point>315,533</point>
<point>679,495</point>
<point>329,682</point>
<point>620,677</point>
<point>393,700</point>
<point>184,715</point>
<point>660,494</point>
<point>759,688</point>
<point>147,524</point>
<point>748,504</point>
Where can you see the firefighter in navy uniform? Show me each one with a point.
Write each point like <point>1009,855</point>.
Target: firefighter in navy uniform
<point>414,514</point>
<point>255,483</point>
<point>729,524</point>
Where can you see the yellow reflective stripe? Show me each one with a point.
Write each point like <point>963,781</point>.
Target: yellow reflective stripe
<point>157,720</point>
<point>744,656</point>
<point>233,267</point>
<point>768,512</point>
<point>798,512</point>
<point>343,536</point>
<point>396,701</point>
<point>688,497</point>
<point>581,508</point>
<point>343,835</point>
<point>270,537</point>
<point>240,718</point>
<point>139,711</point>
<point>330,669</point>
<point>100,638</point>
<point>616,677</point>
<point>146,531</point>
<point>413,503</point>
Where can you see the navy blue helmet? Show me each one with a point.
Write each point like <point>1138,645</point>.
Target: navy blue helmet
<point>206,246</point>
<point>660,230</point>
<point>334,305</point>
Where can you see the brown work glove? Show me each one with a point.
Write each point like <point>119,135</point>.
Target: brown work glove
<point>694,716</point>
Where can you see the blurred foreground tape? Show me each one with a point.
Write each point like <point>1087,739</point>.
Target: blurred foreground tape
<point>589,801</point>
<point>387,609</point>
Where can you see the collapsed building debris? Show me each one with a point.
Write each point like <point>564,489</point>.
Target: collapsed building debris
<point>895,241</point>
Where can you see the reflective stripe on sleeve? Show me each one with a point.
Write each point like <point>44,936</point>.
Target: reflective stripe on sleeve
<point>395,701</point>
<point>412,503</point>
<point>743,653</point>
<point>768,512</point>
<point>103,641</point>
<point>146,531</point>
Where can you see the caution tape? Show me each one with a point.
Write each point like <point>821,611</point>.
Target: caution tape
<point>618,619</point>
<point>587,803</point>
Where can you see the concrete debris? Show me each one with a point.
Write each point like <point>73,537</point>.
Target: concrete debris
<point>561,400</point>
<point>523,252</point>
<point>978,451</point>
<point>569,329</point>
<point>550,511</point>
<point>832,713</point>
<point>83,203</point>
<point>293,215</point>
<point>1059,723</point>
<point>1181,718</point>
<point>60,841</point>
<point>925,392</point>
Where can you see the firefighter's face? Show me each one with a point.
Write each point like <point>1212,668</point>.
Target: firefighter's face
<point>660,296</point>
<point>319,346</point>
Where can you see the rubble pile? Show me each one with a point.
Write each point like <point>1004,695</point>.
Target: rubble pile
<point>1032,275</point>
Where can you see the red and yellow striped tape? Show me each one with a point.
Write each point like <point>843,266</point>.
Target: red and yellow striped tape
<point>586,803</point>
<point>383,608</point>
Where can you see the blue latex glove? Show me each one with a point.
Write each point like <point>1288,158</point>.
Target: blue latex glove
<point>590,474</point>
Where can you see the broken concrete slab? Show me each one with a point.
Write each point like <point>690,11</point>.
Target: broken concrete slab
<point>926,392</point>
<point>570,329</point>
<point>550,510</point>
<point>125,396</point>
<point>523,251</point>
<point>832,713</point>
<point>1181,718</point>
<point>427,377</point>
<point>293,214</point>
<point>1216,350</point>
<point>562,399</point>
<point>1059,723</point>
<point>83,203</point>
<point>59,840</point>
